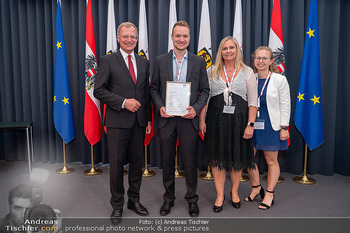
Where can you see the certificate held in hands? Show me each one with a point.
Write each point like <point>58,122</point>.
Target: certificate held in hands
<point>177,98</point>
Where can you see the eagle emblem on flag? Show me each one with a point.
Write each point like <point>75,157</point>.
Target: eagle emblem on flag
<point>90,71</point>
<point>207,57</point>
<point>278,56</point>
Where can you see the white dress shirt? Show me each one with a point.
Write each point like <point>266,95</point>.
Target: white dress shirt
<point>126,59</point>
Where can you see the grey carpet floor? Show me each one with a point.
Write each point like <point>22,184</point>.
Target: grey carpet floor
<point>77,195</point>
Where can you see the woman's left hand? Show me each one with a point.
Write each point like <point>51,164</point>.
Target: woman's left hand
<point>248,132</point>
<point>284,135</point>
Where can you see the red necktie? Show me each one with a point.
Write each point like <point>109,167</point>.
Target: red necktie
<point>131,69</point>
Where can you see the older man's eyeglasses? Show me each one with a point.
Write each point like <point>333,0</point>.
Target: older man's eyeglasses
<point>264,59</point>
<point>125,37</point>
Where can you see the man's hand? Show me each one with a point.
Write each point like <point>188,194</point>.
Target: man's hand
<point>191,113</point>
<point>202,127</point>
<point>132,105</point>
<point>163,113</point>
<point>148,128</point>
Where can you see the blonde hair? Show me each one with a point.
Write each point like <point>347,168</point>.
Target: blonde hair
<point>273,66</point>
<point>219,62</point>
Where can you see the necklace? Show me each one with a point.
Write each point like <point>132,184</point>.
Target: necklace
<point>230,69</point>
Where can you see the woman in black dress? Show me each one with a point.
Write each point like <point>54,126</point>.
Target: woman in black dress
<point>228,120</point>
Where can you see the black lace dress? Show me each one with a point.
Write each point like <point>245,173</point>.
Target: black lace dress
<point>224,145</point>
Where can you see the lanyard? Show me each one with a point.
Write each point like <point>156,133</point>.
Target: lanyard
<point>262,91</point>
<point>229,84</point>
<point>179,69</point>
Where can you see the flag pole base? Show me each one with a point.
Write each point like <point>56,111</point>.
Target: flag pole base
<point>179,174</point>
<point>148,173</point>
<point>207,176</point>
<point>244,178</point>
<point>92,171</point>
<point>304,180</point>
<point>279,181</point>
<point>65,170</point>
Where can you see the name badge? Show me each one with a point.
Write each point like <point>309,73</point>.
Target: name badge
<point>259,124</point>
<point>229,109</point>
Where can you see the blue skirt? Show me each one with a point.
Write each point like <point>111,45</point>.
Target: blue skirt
<point>267,139</point>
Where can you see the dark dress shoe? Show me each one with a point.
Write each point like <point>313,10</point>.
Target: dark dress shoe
<point>193,209</point>
<point>116,216</point>
<point>138,208</point>
<point>236,205</point>
<point>218,209</point>
<point>165,209</point>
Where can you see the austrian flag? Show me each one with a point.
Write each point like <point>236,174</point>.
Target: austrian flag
<point>276,36</point>
<point>92,114</point>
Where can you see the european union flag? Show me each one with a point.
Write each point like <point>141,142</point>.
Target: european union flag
<point>62,106</point>
<point>308,109</point>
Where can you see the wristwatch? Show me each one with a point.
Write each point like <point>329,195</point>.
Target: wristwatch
<point>251,124</point>
<point>284,127</point>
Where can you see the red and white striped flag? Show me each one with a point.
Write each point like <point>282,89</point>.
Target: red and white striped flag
<point>276,36</point>
<point>92,113</point>
<point>276,39</point>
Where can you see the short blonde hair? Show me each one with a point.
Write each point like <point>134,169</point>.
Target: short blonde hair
<point>181,23</point>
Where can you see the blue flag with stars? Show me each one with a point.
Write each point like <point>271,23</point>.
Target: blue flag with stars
<point>62,106</point>
<point>308,109</point>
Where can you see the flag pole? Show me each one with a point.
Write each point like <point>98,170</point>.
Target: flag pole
<point>207,175</point>
<point>146,172</point>
<point>92,171</point>
<point>304,179</point>
<point>244,178</point>
<point>178,174</point>
<point>65,169</point>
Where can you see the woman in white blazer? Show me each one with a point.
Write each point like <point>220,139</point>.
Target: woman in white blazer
<point>271,125</point>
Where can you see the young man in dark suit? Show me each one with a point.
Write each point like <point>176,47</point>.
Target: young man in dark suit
<point>179,65</point>
<point>122,83</point>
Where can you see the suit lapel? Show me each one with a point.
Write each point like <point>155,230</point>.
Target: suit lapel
<point>170,65</point>
<point>189,66</point>
<point>121,61</point>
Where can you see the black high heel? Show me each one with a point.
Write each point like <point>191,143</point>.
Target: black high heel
<point>266,205</point>
<point>236,205</point>
<point>262,193</point>
<point>218,209</point>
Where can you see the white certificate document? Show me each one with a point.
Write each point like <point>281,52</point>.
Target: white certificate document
<point>177,98</point>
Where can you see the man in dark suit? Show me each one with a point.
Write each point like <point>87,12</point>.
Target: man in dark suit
<point>122,83</point>
<point>181,66</point>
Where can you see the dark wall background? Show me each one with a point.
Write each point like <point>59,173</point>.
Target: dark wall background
<point>27,57</point>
